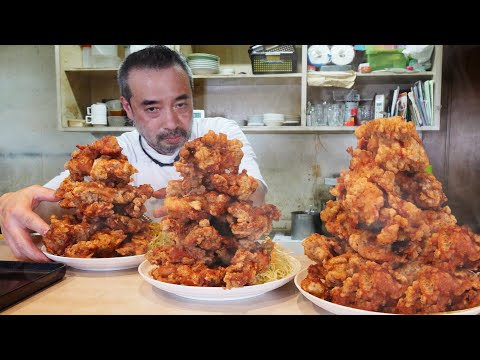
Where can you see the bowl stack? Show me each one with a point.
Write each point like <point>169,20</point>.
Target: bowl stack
<point>203,64</point>
<point>292,120</point>
<point>255,120</point>
<point>271,119</point>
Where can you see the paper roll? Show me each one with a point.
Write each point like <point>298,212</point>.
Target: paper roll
<point>342,54</point>
<point>319,55</point>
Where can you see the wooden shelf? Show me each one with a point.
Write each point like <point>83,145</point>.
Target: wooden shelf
<point>232,96</point>
<point>248,76</point>
<point>246,129</point>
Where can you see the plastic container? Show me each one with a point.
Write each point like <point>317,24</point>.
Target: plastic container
<point>87,56</point>
<point>380,59</point>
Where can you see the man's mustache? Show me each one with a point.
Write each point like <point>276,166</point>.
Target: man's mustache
<point>170,133</point>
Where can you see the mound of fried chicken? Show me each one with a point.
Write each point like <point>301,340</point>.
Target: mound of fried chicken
<point>213,225</point>
<point>396,247</point>
<point>106,216</point>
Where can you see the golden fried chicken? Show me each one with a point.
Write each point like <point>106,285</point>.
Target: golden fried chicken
<point>211,154</point>
<point>82,160</point>
<point>198,275</point>
<point>396,247</point>
<point>212,224</point>
<point>108,211</point>
<point>320,248</point>
<point>394,144</point>
<point>240,185</point>
<point>137,245</point>
<point>437,290</point>
<point>101,244</point>
<point>251,222</point>
<point>112,171</point>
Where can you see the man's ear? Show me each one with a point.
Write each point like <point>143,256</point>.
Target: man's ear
<point>126,107</point>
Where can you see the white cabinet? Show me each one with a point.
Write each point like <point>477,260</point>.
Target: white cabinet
<point>231,96</point>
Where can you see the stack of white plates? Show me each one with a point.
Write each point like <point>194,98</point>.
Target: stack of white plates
<point>255,120</point>
<point>202,63</point>
<point>271,119</point>
<point>292,120</point>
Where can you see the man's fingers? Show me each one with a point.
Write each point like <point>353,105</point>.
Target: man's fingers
<point>160,212</point>
<point>34,222</point>
<point>23,247</point>
<point>44,194</point>
<point>160,193</point>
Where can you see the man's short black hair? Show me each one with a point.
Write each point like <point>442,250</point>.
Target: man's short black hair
<point>152,57</point>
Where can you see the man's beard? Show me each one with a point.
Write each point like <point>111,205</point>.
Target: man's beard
<point>166,149</point>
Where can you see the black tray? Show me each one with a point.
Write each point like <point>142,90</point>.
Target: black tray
<point>20,279</point>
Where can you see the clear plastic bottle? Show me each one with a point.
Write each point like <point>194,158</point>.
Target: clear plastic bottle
<point>87,56</point>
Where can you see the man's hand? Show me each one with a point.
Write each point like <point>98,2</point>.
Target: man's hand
<point>17,217</point>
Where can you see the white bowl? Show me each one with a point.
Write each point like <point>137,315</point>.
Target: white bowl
<point>273,122</point>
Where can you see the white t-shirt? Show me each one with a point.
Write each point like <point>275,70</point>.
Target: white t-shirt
<point>151,173</point>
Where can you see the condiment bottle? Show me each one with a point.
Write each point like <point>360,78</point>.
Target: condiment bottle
<point>86,56</point>
<point>353,121</point>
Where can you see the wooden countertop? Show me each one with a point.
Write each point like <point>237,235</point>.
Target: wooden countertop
<point>125,292</point>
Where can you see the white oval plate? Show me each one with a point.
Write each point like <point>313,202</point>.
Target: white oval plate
<point>97,264</point>
<point>216,293</point>
<point>345,310</point>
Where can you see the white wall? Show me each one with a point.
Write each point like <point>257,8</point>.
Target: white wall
<point>32,150</point>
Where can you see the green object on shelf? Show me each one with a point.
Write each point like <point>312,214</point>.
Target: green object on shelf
<point>380,59</point>
<point>429,169</point>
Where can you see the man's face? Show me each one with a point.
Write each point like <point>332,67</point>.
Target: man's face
<point>161,107</point>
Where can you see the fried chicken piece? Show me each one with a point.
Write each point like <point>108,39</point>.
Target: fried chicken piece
<point>137,245</point>
<point>337,220</point>
<point>127,224</point>
<point>211,153</point>
<point>452,248</point>
<point>320,248</point>
<point>374,288</point>
<point>185,187</point>
<point>314,282</point>
<point>95,210</point>
<point>101,244</point>
<point>177,254</point>
<point>192,207</point>
<point>251,222</point>
<point>364,199</point>
<point>82,160</point>
<point>245,266</point>
<point>322,277</point>
<point>67,231</point>
<point>198,275</point>
<point>204,236</point>
<point>240,185</point>
<point>112,172</point>
<point>217,203</point>
<point>365,243</point>
<point>394,143</point>
<point>422,189</point>
<point>435,291</point>
<point>82,193</point>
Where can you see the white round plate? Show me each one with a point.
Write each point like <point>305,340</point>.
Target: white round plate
<point>216,293</point>
<point>345,310</point>
<point>97,264</point>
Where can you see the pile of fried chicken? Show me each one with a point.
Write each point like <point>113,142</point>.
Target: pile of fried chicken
<point>106,216</point>
<point>211,222</point>
<point>396,247</point>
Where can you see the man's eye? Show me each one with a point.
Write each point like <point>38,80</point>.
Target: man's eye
<point>151,109</point>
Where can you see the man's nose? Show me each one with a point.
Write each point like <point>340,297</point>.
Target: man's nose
<point>171,120</point>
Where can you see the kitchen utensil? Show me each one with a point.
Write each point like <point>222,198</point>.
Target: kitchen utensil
<point>305,223</point>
